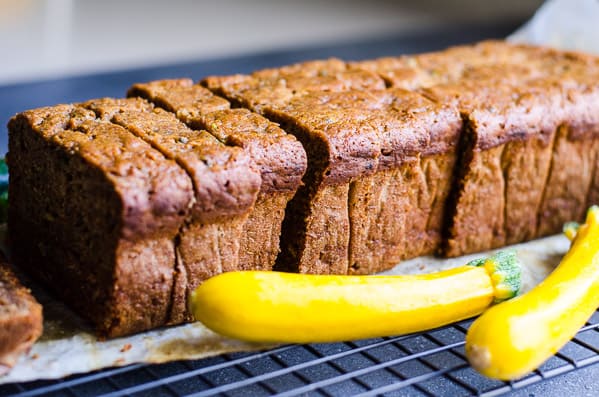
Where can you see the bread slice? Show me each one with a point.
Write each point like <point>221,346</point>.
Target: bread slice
<point>20,318</point>
<point>278,156</point>
<point>383,164</point>
<point>225,191</point>
<point>93,214</point>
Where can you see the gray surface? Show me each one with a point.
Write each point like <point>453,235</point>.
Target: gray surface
<point>52,38</point>
<point>583,382</point>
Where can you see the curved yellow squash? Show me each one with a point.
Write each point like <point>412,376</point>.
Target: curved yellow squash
<point>297,308</point>
<point>515,337</point>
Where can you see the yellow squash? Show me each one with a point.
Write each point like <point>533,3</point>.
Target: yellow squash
<point>515,337</point>
<point>299,308</point>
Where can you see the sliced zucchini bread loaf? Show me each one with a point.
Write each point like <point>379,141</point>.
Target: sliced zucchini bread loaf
<point>124,205</point>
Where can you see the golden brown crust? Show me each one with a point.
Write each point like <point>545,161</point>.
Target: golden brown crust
<point>223,181</point>
<point>180,96</point>
<point>491,60</point>
<point>275,87</point>
<point>278,156</point>
<point>368,131</point>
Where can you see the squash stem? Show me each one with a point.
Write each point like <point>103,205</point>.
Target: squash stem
<point>505,271</point>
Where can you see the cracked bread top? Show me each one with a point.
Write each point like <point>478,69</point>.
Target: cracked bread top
<point>224,182</point>
<point>155,193</point>
<point>280,158</point>
<point>498,61</point>
<point>276,87</point>
<point>508,91</point>
<point>362,132</point>
<point>502,112</point>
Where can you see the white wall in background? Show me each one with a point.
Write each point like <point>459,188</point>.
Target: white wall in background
<point>50,38</point>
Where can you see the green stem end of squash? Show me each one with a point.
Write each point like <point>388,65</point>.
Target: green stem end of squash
<point>505,271</point>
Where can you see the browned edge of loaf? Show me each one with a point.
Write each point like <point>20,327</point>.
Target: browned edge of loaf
<point>225,189</point>
<point>93,212</point>
<point>278,156</point>
<point>21,322</point>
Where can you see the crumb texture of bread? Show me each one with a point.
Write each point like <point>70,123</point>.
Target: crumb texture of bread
<point>20,318</point>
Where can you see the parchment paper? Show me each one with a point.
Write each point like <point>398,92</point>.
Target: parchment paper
<point>566,24</point>
<point>68,346</point>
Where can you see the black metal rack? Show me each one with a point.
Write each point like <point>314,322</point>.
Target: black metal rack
<point>429,363</point>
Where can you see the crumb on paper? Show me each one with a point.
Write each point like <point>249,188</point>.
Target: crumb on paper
<point>126,348</point>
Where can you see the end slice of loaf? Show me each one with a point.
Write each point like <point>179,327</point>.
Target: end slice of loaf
<point>93,214</point>
<point>20,318</point>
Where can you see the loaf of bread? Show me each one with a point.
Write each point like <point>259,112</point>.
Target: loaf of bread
<point>20,318</point>
<point>122,206</point>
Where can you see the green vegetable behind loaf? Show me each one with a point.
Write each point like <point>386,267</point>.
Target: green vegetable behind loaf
<point>3,189</point>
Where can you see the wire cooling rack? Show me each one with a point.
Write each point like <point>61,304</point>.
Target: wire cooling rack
<point>429,363</point>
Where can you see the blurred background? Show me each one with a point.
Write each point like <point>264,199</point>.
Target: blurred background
<point>42,39</point>
<point>67,51</point>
